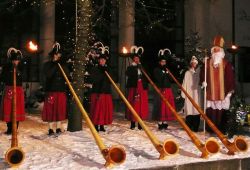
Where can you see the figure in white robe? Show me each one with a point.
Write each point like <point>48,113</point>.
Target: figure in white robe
<point>191,85</point>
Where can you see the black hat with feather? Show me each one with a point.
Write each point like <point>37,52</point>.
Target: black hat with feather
<point>164,54</point>
<point>136,51</point>
<point>14,54</point>
<point>55,49</point>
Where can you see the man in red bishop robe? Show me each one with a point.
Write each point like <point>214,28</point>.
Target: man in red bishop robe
<point>220,84</point>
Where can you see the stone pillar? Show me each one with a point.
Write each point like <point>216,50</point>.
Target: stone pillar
<point>209,18</point>
<point>47,32</point>
<point>126,35</point>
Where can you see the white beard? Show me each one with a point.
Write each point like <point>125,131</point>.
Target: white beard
<point>217,58</point>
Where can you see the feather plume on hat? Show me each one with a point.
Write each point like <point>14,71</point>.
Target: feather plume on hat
<point>104,51</point>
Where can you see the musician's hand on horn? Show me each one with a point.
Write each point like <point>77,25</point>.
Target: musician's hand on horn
<point>104,68</point>
<point>139,65</point>
<point>204,85</point>
<point>15,62</point>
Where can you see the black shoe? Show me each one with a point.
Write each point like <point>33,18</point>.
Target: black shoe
<point>102,128</point>
<point>139,126</point>
<point>160,126</point>
<point>9,128</point>
<point>8,132</point>
<point>51,132</point>
<point>58,131</point>
<point>165,125</point>
<point>97,128</point>
<point>132,125</point>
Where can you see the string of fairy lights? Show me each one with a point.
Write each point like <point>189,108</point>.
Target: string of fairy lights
<point>82,45</point>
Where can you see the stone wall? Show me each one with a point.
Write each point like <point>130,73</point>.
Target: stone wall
<point>213,17</point>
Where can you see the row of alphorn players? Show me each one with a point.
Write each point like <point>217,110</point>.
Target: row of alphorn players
<point>101,100</point>
<point>101,108</point>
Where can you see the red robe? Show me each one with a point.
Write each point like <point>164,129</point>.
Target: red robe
<point>220,81</point>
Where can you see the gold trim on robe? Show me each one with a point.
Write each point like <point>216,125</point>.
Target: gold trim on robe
<point>216,80</point>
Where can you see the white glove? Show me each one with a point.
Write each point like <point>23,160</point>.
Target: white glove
<point>204,84</point>
<point>229,94</point>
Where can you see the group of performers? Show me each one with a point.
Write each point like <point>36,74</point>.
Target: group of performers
<point>219,84</point>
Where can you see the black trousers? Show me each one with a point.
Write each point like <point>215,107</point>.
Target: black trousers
<point>9,126</point>
<point>193,122</point>
<point>218,117</point>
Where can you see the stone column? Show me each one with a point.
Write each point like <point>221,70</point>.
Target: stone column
<point>126,35</point>
<point>209,18</point>
<point>47,31</point>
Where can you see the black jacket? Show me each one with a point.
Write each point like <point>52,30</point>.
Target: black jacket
<point>132,73</point>
<point>161,77</point>
<point>99,80</point>
<point>7,75</point>
<point>54,80</point>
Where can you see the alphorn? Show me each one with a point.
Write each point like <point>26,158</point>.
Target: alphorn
<point>168,148</point>
<point>239,143</point>
<point>15,155</point>
<point>113,155</point>
<point>211,146</point>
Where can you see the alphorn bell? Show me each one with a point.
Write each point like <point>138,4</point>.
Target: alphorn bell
<point>15,155</point>
<point>239,143</point>
<point>113,155</point>
<point>211,146</point>
<point>168,148</point>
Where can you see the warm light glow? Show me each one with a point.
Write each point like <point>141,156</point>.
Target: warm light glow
<point>32,46</point>
<point>124,50</point>
<point>234,47</point>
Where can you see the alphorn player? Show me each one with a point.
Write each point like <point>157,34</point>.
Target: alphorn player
<point>191,85</point>
<point>54,110</point>
<point>220,84</point>
<point>137,88</point>
<point>161,111</point>
<point>101,108</point>
<point>14,60</point>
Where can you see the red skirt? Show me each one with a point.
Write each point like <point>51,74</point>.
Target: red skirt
<point>6,105</point>
<point>138,98</point>
<point>161,111</point>
<point>101,109</point>
<point>54,108</point>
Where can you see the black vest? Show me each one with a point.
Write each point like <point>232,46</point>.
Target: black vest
<point>7,75</point>
<point>161,77</point>
<point>54,80</point>
<point>132,74</point>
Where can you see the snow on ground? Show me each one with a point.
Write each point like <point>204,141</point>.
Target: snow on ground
<point>78,150</point>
